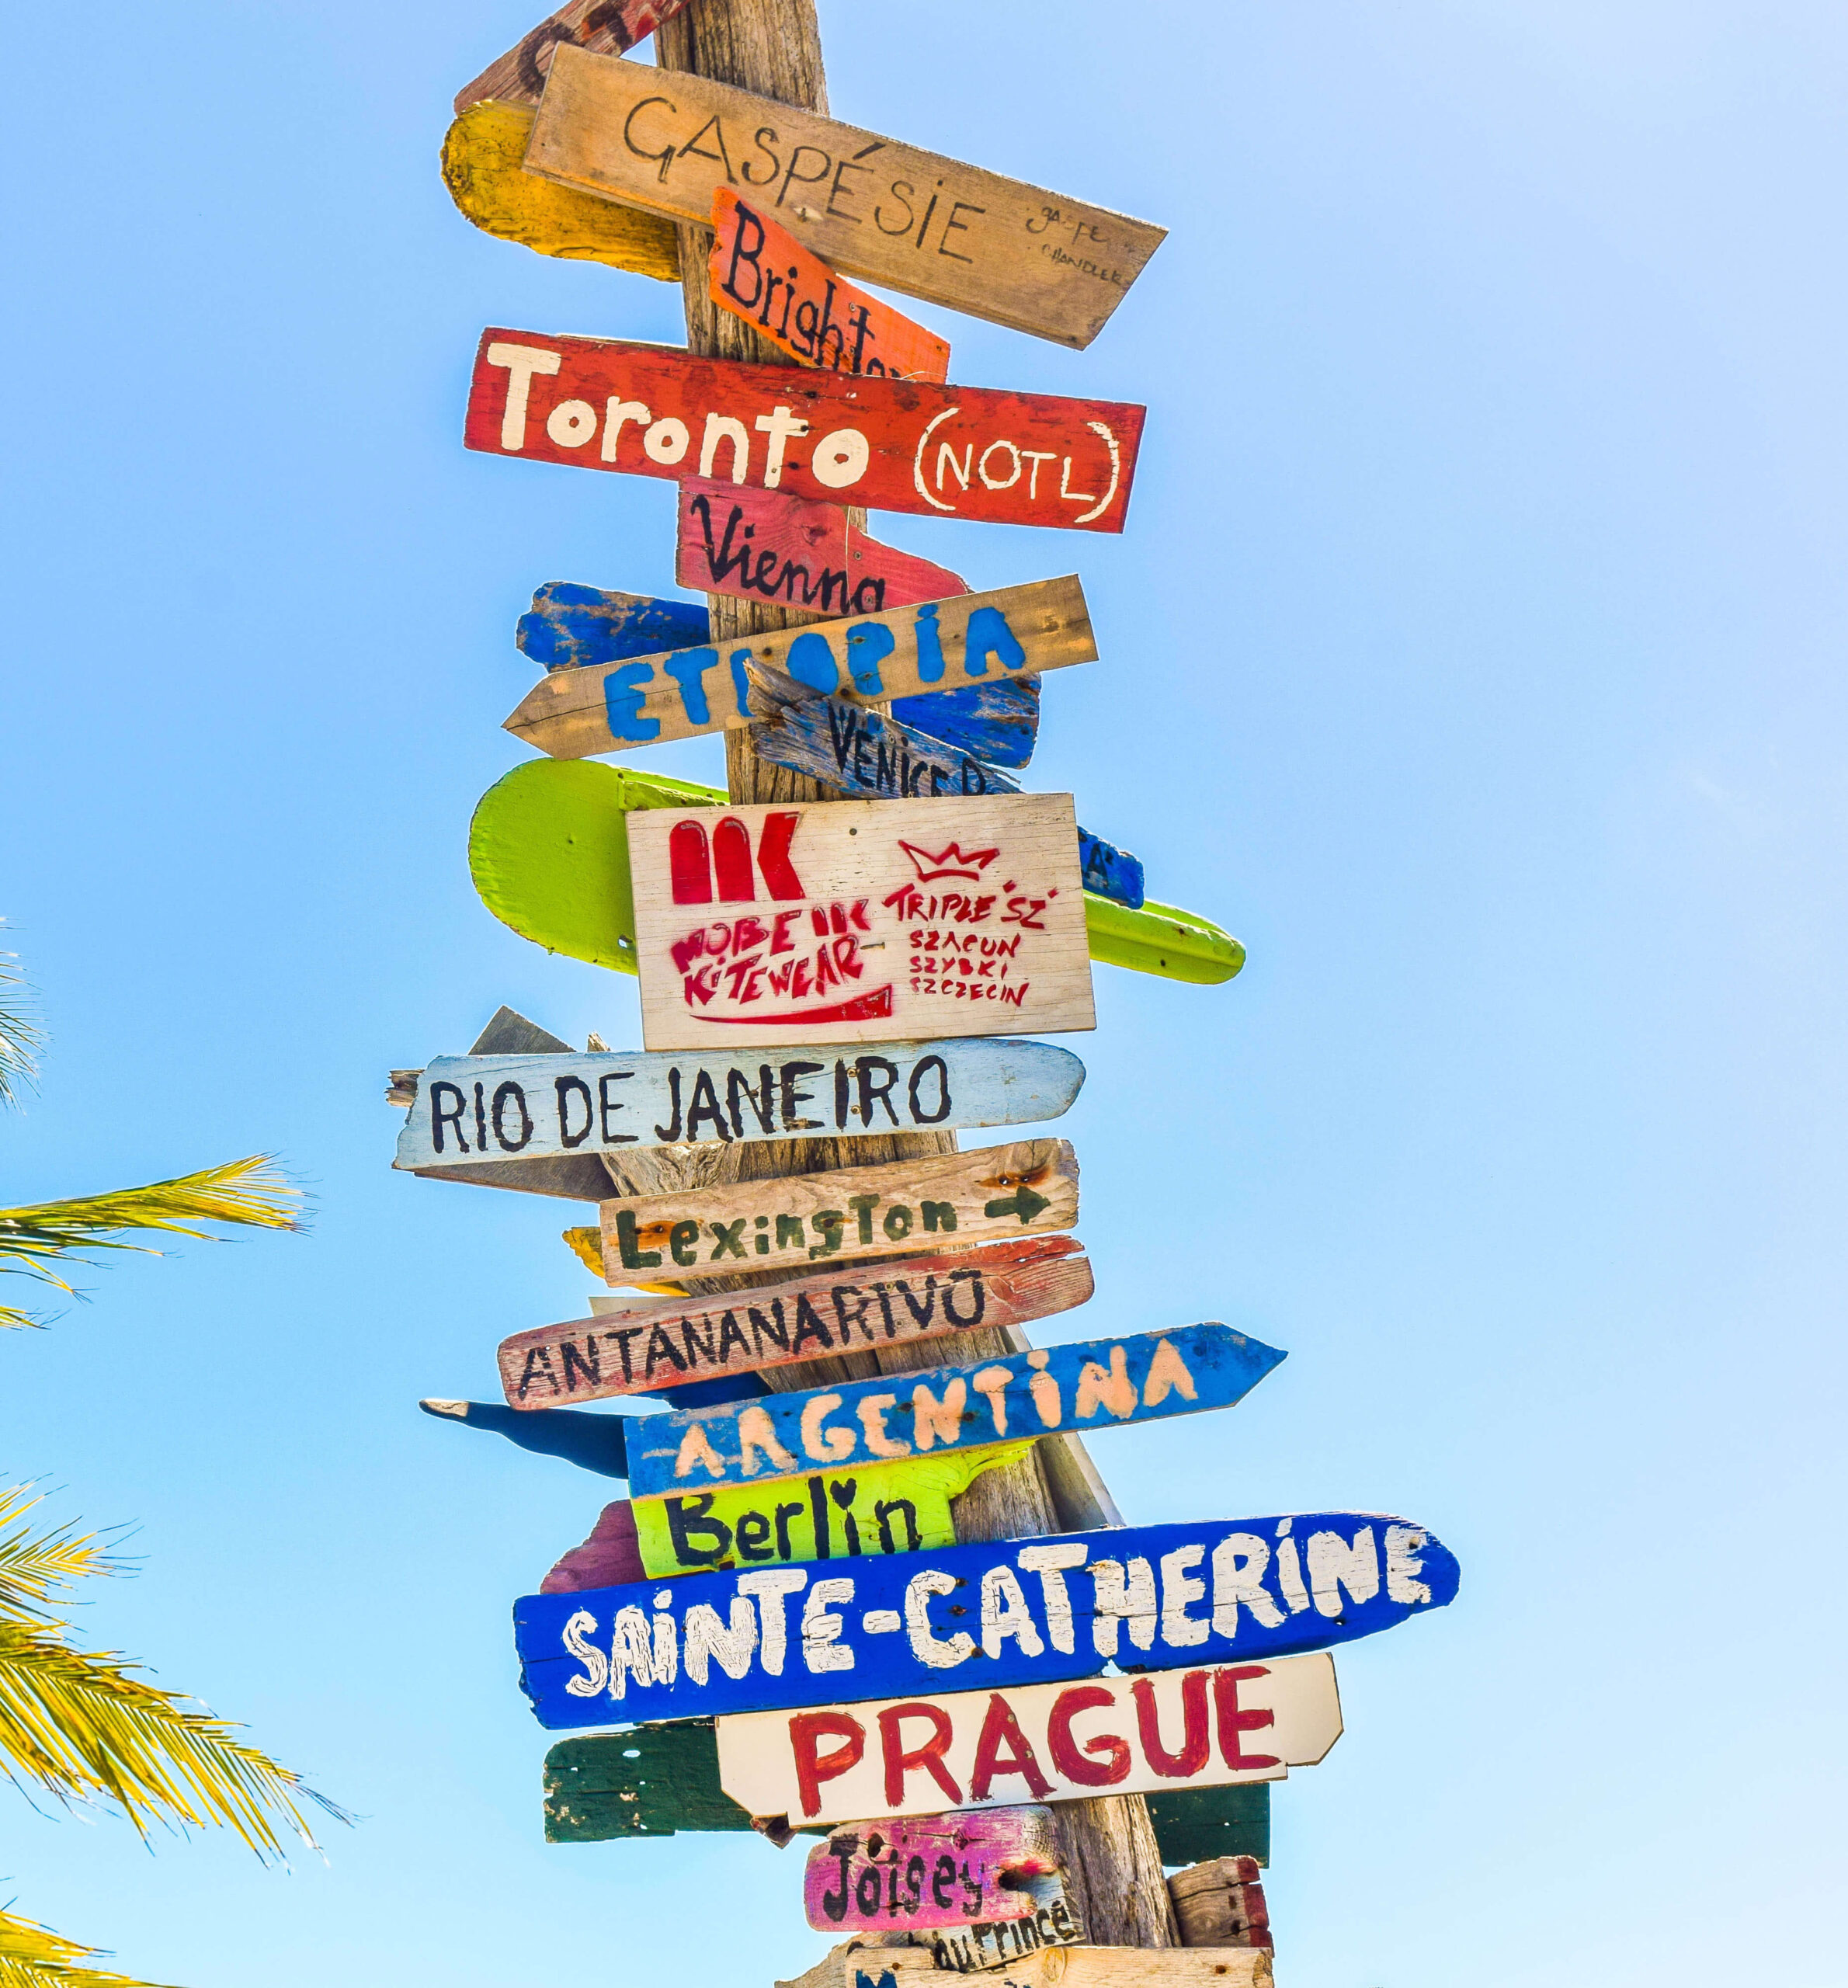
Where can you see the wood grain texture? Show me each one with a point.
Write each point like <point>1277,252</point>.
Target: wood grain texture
<point>649,1781</point>
<point>653,1780</point>
<point>607,27</point>
<point>548,851</point>
<point>570,1177</point>
<point>570,626</point>
<point>1032,1183</point>
<point>666,1343</point>
<point>761,273</point>
<point>1201,1728</point>
<point>1021,1611</point>
<point>930,1871</point>
<point>773,47</point>
<point>997,249</point>
<point>612,707</point>
<point>473,1111</point>
<point>1100,1967</point>
<point>481,167</point>
<point>1138,1378</point>
<point>827,1515</point>
<point>1221,1904</point>
<point>620,406</point>
<point>867,920</point>
<point>795,552</point>
<point>609,1557</point>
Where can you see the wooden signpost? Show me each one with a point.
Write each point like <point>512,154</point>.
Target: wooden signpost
<point>860,922</point>
<point>927,225</point>
<point>548,851</point>
<point>1071,1967</point>
<point>902,653</point>
<point>828,1514</point>
<point>869,756</point>
<point>477,1109</point>
<point>892,445</point>
<point>854,1213</point>
<point>1221,1904</point>
<point>931,1870</point>
<point>1146,1377</point>
<point>795,552</point>
<point>1017,1612</point>
<point>481,167</point>
<point>994,719</point>
<point>607,27</point>
<point>651,1781</point>
<point>1200,1727</point>
<point>761,273</point>
<point>674,1340</point>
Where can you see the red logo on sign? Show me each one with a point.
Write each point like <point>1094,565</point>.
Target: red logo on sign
<point>692,863</point>
<point>952,860</point>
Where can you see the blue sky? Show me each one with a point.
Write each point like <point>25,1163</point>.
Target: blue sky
<point>1475,651</point>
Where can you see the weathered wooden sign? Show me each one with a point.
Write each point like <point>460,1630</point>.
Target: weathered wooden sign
<point>1040,1742</point>
<point>767,545</point>
<point>657,1780</point>
<point>607,27</point>
<point>874,757</point>
<point>684,693</point>
<point>609,1557</point>
<point>929,226</point>
<point>481,167</point>
<point>989,1943</point>
<point>759,272</point>
<point>1221,1904</point>
<point>548,851</point>
<point>994,719</point>
<point>854,1212</point>
<point>1018,1612</point>
<point>885,1508</point>
<point>1071,1967</point>
<point>930,1871</point>
<point>476,1110</point>
<point>1144,1377</point>
<point>570,627</point>
<point>892,445</point>
<point>858,920</point>
<point>841,1310</point>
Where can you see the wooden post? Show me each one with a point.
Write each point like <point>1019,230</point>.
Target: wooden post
<point>1113,1863</point>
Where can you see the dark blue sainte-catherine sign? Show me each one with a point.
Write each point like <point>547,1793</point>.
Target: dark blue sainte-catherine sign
<point>1011,1612</point>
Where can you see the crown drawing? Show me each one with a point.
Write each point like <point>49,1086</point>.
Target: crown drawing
<point>951,860</point>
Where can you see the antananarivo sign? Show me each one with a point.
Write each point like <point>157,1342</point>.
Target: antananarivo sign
<point>866,918</point>
<point>664,1345</point>
<point>1013,1612</point>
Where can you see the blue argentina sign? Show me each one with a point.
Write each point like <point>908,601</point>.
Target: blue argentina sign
<point>1144,1378</point>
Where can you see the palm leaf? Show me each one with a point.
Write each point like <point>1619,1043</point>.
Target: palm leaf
<point>33,1564</point>
<point>20,1037</point>
<point>78,1726</point>
<point>33,1956</point>
<point>249,1191</point>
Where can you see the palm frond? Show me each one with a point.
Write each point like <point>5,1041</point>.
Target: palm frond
<point>32,1564</point>
<point>78,1726</point>
<point>251,1192</point>
<point>21,1037</point>
<point>33,1956</point>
